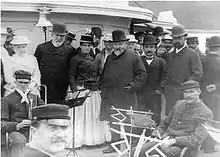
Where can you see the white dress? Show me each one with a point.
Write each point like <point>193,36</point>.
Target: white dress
<point>27,63</point>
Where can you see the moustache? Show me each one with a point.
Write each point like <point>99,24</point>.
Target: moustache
<point>58,140</point>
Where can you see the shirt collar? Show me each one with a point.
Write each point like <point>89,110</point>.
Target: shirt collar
<point>178,50</point>
<point>24,97</point>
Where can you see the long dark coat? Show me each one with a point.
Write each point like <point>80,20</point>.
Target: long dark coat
<point>120,71</point>
<point>182,66</point>
<point>148,98</point>
<point>54,66</point>
<point>211,64</point>
<point>31,152</point>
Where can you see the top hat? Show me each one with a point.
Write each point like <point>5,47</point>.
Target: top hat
<point>192,39</point>
<point>4,31</point>
<point>59,28</point>
<point>167,37</point>
<point>132,39</point>
<point>20,40</point>
<point>214,41</point>
<point>149,40</point>
<point>96,31</point>
<point>119,35</point>
<point>86,39</point>
<point>107,37</point>
<point>71,35</point>
<point>21,74</point>
<point>189,84</point>
<point>55,114</point>
<point>178,31</point>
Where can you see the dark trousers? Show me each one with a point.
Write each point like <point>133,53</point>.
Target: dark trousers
<point>172,151</point>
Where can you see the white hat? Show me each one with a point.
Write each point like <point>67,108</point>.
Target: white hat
<point>107,37</point>
<point>167,37</point>
<point>19,40</point>
<point>4,31</point>
<point>132,39</point>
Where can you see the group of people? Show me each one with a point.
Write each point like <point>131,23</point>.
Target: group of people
<point>135,70</point>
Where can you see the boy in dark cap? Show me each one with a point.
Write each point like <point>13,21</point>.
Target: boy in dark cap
<point>15,112</point>
<point>49,128</point>
<point>182,128</point>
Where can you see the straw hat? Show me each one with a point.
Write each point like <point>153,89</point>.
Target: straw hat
<point>107,37</point>
<point>132,39</point>
<point>20,40</point>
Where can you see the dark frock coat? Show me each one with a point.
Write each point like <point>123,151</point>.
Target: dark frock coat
<point>54,67</point>
<point>182,66</point>
<point>120,71</point>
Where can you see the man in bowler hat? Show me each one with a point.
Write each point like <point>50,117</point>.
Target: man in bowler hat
<point>150,93</point>
<point>123,74</point>
<point>211,84</point>
<point>183,64</point>
<point>53,58</point>
<point>182,127</point>
<point>49,128</point>
<point>193,42</point>
<point>15,115</point>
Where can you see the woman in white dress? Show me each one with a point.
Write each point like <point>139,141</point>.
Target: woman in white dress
<point>21,60</point>
<point>88,129</point>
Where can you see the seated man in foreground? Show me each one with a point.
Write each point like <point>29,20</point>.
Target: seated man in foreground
<point>182,126</point>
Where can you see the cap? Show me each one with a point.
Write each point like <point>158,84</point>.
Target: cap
<point>192,39</point>
<point>56,114</point>
<point>21,74</point>
<point>189,84</point>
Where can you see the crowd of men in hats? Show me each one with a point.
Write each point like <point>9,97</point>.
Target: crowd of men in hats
<point>134,70</point>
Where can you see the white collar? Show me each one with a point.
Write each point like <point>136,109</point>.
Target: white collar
<point>178,50</point>
<point>23,95</point>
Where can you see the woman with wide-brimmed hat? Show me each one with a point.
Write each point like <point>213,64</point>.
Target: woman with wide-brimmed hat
<point>21,60</point>
<point>88,128</point>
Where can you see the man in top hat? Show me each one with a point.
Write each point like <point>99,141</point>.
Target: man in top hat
<point>193,42</point>
<point>150,93</point>
<point>96,32</point>
<point>101,57</point>
<point>68,40</point>
<point>49,128</point>
<point>182,127</point>
<point>183,64</point>
<point>123,74</point>
<point>131,42</point>
<point>211,83</point>
<point>53,58</point>
<point>15,112</point>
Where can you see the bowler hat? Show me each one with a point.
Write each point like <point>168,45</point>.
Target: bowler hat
<point>192,39</point>
<point>56,114</point>
<point>158,30</point>
<point>119,35</point>
<point>149,40</point>
<point>178,31</point>
<point>189,84</point>
<point>96,31</point>
<point>132,39</point>
<point>214,41</point>
<point>71,35</point>
<point>59,28</point>
<point>21,74</point>
<point>107,37</point>
<point>20,40</point>
<point>86,39</point>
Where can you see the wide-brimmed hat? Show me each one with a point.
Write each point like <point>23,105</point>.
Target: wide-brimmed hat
<point>192,39</point>
<point>107,38</point>
<point>119,35</point>
<point>132,39</point>
<point>214,41</point>
<point>86,39</point>
<point>149,40</point>
<point>96,31</point>
<point>20,40</point>
<point>4,31</point>
<point>71,35</point>
<point>167,37</point>
<point>178,31</point>
<point>59,28</point>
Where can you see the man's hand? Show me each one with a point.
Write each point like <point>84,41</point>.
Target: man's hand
<point>23,124</point>
<point>168,142</point>
<point>211,88</point>
<point>128,87</point>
